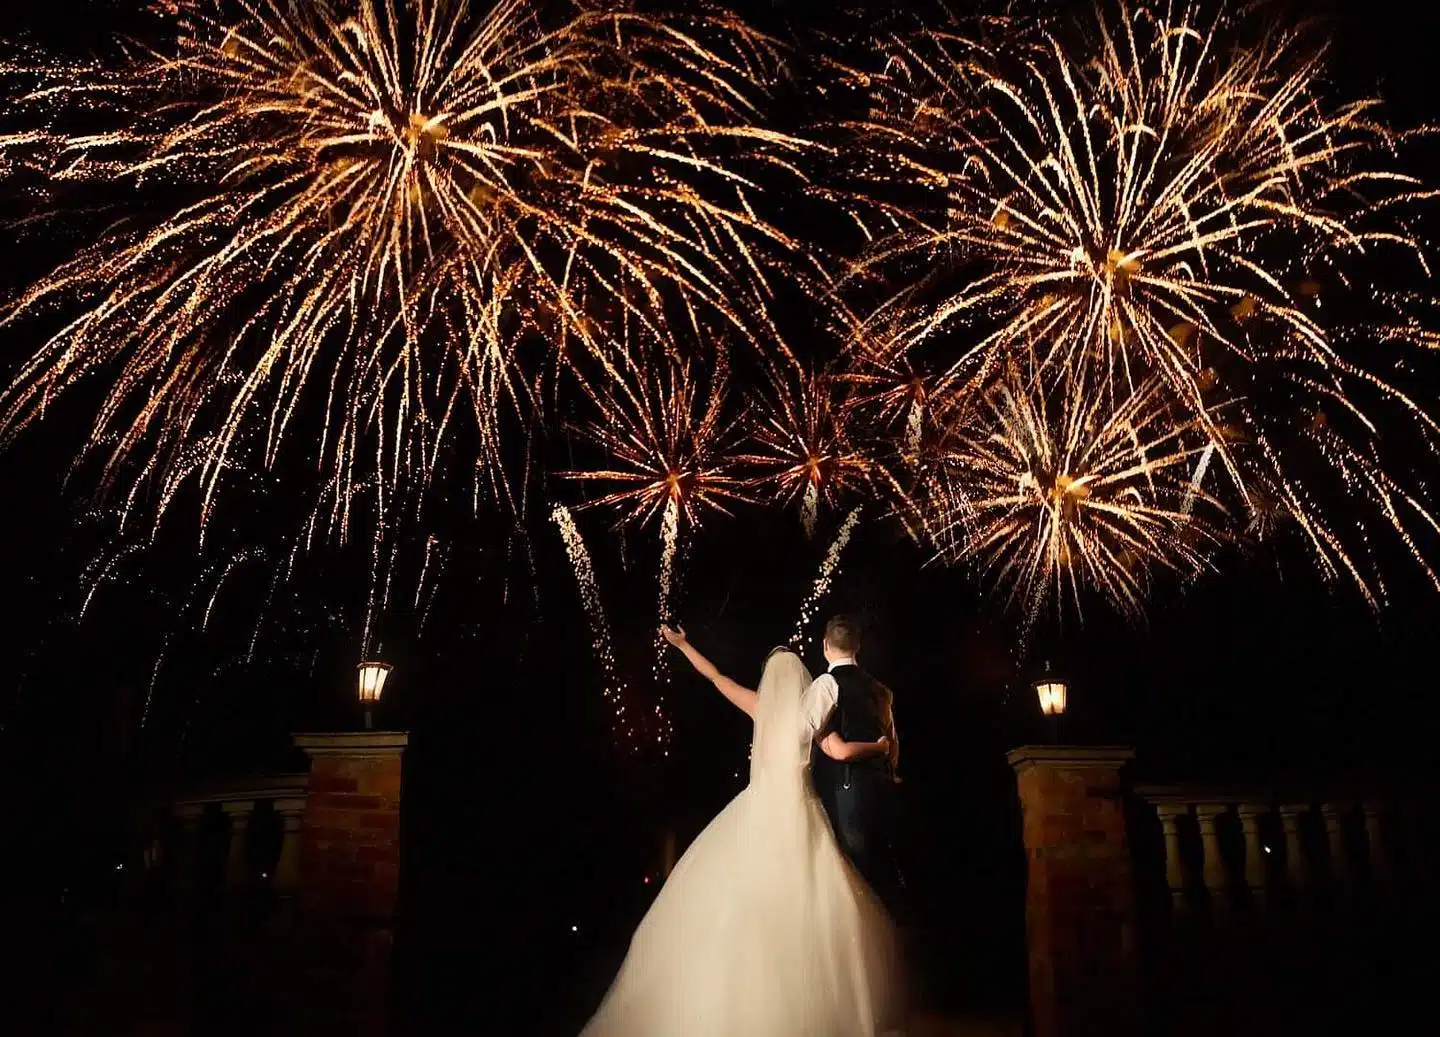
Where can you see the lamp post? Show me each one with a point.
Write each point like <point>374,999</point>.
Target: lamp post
<point>1051,690</point>
<point>371,675</point>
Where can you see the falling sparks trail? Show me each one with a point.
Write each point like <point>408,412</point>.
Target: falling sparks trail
<point>430,543</point>
<point>914,426</point>
<point>669,548</point>
<point>670,449</point>
<point>810,508</point>
<point>97,573</point>
<point>230,567</point>
<point>669,545</point>
<point>1200,469</point>
<point>594,611</point>
<point>154,679</point>
<point>828,568</point>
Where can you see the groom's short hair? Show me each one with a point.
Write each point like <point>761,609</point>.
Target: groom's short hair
<point>843,633</point>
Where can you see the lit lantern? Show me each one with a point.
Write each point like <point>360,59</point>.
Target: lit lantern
<point>372,677</point>
<point>1051,691</point>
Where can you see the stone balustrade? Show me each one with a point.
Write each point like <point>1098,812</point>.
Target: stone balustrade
<point>285,885</point>
<point>1233,848</point>
<point>1281,909</point>
<point>231,837</point>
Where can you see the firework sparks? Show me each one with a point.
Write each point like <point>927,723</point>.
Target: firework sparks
<point>1198,479</point>
<point>256,600</point>
<point>102,569</point>
<point>430,544</point>
<point>802,445</point>
<point>674,449</point>
<point>361,237</point>
<point>669,546</point>
<point>893,402</point>
<point>1050,492</point>
<point>828,568</point>
<point>252,555</point>
<point>154,681</point>
<point>668,437</point>
<point>380,206</point>
<point>1144,202</point>
<point>600,642</point>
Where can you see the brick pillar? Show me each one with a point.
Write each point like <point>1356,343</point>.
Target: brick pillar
<point>350,834</point>
<point>349,871</point>
<point>1079,900</point>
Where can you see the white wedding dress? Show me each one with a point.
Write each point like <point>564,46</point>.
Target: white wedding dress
<point>763,928</point>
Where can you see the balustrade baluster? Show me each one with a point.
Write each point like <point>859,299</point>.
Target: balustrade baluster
<point>1212,869</point>
<point>1170,814</point>
<point>237,861</point>
<point>287,868</point>
<point>1295,865</point>
<point>1377,848</point>
<point>1255,877</point>
<point>1334,818</point>
<point>187,863</point>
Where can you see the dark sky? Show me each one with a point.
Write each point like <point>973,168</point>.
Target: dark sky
<point>516,789</point>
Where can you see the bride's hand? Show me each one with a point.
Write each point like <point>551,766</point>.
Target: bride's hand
<point>675,635</point>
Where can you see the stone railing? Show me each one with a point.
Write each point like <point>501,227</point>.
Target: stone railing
<point>261,905</point>
<point>1227,849</point>
<point>230,837</point>
<point>1187,910</point>
<point>1278,910</point>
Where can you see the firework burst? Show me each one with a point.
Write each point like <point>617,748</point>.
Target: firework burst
<point>668,444</point>
<point>893,398</point>
<point>801,443</point>
<point>1051,493</point>
<point>358,223</point>
<point>1153,205</point>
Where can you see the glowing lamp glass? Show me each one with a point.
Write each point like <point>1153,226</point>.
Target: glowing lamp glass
<point>1051,692</point>
<point>372,677</point>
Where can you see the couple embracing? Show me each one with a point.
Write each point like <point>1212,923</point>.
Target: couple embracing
<point>770,924</point>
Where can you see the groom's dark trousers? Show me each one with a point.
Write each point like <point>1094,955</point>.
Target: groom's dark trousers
<point>864,824</point>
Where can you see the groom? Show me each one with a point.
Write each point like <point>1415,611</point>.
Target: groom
<point>857,795</point>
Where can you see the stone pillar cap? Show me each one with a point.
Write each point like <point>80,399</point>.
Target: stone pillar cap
<point>1070,756</point>
<point>353,743</point>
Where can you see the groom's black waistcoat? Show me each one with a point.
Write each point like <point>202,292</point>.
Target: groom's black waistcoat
<point>858,714</point>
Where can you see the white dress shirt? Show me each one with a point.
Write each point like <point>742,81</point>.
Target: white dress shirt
<point>820,698</point>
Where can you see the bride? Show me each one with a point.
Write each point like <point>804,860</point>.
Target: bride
<point>763,928</point>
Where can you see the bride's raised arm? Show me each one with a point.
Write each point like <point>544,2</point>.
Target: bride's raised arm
<point>741,696</point>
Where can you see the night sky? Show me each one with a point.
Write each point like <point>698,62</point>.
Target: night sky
<point>523,817</point>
